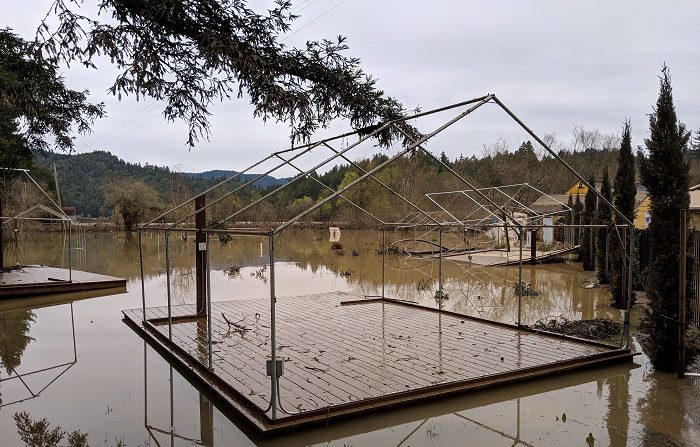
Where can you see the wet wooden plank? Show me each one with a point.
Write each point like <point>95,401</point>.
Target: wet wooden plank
<point>40,279</point>
<point>359,356</point>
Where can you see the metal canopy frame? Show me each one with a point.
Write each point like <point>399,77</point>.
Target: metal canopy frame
<point>431,218</point>
<point>56,211</point>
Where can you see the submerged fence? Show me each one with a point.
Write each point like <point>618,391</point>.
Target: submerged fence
<point>644,246</point>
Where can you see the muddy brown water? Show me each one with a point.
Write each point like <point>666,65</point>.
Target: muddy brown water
<point>74,362</point>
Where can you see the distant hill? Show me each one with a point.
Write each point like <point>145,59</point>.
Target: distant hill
<point>219,174</point>
<point>81,177</point>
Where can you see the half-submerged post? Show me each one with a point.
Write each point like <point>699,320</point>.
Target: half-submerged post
<point>200,222</point>
<point>533,246</point>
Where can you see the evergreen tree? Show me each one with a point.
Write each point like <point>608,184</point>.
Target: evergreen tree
<point>665,173</point>
<point>624,200</point>
<point>603,216</point>
<point>588,218</point>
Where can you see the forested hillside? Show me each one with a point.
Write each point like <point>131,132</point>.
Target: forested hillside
<point>82,177</point>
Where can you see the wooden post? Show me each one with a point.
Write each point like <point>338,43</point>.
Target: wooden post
<point>681,295</point>
<point>200,221</point>
<point>533,247</point>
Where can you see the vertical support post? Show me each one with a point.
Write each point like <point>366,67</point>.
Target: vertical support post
<point>273,340</point>
<point>145,383</point>
<point>208,310</point>
<point>167,285</point>
<point>521,233</point>
<point>533,246</point>
<point>206,421</point>
<point>201,265</point>
<point>440,268</point>
<point>172,409</point>
<point>143,285</point>
<point>625,342</point>
<point>70,249</point>
<point>384,248</point>
<point>681,293</point>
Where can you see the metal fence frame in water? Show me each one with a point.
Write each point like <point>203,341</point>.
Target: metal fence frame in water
<point>58,216</point>
<point>287,158</point>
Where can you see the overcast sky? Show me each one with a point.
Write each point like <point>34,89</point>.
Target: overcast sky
<point>555,63</point>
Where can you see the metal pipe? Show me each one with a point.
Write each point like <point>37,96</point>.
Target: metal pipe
<point>143,285</point>
<point>520,278</point>
<point>273,335</point>
<point>440,268</point>
<point>207,191</point>
<point>333,190</point>
<point>295,179</point>
<point>248,183</point>
<point>384,185</point>
<point>70,249</point>
<point>384,248</point>
<point>167,285</point>
<point>560,160</point>
<point>381,165</point>
<point>208,285</point>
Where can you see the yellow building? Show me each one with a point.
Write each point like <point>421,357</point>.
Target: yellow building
<point>642,203</point>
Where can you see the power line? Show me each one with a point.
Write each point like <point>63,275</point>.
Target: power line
<point>312,21</point>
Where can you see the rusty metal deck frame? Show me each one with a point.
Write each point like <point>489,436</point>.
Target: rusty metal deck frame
<point>288,157</point>
<point>232,400</point>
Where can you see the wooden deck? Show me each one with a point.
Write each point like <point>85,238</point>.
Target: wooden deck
<point>344,354</point>
<point>42,280</point>
<point>503,257</point>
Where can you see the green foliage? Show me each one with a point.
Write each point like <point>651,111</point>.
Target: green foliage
<point>588,218</point>
<point>603,216</point>
<point>32,91</point>
<point>624,200</point>
<point>522,289</point>
<point>14,337</point>
<point>664,172</point>
<point>38,433</point>
<point>191,54</point>
<point>132,199</point>
<point>578,219</point>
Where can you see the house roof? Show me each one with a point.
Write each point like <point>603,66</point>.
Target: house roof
<point>550,203</point>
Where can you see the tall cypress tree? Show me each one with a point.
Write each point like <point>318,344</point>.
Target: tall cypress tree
<point>588,218</point>
<point>624,200</point>
<point>603,216</point>
<point>665,173</point>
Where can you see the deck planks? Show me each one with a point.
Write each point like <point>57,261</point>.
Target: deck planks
<point>340,356</point>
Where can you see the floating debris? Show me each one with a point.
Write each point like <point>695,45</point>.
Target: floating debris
<point>524,290</point>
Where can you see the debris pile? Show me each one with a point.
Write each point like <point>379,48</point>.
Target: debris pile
<point>598,328</point>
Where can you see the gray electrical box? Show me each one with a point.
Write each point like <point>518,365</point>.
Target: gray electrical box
<point>280,367</point>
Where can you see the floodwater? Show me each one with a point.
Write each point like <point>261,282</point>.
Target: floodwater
<point>77,365</point>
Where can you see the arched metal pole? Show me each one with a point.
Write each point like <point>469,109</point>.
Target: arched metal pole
<point>273,340</point>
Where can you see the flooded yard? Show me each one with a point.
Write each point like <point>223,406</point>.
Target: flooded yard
<point>76,364</point>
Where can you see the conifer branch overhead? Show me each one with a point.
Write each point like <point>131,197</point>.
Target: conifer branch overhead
<point>191,53</point>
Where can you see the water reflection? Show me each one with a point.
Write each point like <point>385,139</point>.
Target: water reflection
<point>29,382</point>
<point>104,394</point>
<point>511,415</point>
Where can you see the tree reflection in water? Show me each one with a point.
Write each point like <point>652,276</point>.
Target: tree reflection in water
<point>14,338</point>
